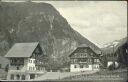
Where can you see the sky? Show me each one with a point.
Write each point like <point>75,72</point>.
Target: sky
<point>100,22</point>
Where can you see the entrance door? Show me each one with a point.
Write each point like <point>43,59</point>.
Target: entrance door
<point>23,77</point>
<point>32,76</point>
<point>18,77</point>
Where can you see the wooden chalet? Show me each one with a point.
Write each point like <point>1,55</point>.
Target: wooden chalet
<point>84,59</point>
<point>25,61</point>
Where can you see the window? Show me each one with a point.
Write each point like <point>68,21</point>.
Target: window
<point>86,66</point>
<point>32,76</point>
<point>81,66</point>
<point>34,55</point>
<point>37,68</point>
<point>30,68</point>
<point>17,68</point>
<point>12,77</point>
<point>23,77</point>
<point>40,68</point>
<point>17,77</point>
<point>0,66</point>
<point>75,66</point>
<point>33,61</point>
<point>75,60</point>
<point>85,50</point>
<point>75,55</point>
<point>91,54</point>
<point>30,61</point>
<point>85,55</point>
<point>82,60</point>
<point>97,66</point>
<point>89,60</point>
<point>97,60</point>
<point>33,68</point>
<point>37,51</point>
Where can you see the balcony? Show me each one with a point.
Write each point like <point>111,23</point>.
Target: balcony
<point>37,63</point>
<point>16,63</point>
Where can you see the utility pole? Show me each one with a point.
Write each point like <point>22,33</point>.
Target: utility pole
<point>127,51</point>
<point>113,55</point>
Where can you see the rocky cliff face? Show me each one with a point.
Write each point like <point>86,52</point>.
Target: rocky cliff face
<point>32,22</point>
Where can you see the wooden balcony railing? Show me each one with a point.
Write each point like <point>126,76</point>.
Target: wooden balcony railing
<point>17,63</point>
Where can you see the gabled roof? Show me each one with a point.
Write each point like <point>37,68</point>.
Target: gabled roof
<point>22,50</point>
<point>3,61</point>
<point>81,49</point>
<point>97,51</point>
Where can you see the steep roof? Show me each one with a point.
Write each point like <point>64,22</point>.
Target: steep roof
<point>81,49</point>
<point>22,50</point>
<point>3,61</point>
<point>95,50</point>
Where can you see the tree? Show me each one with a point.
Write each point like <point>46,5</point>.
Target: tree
<point>123,54</point>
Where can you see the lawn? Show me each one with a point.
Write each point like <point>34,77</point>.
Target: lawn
<point>119,75</point>
<point>3,74</point>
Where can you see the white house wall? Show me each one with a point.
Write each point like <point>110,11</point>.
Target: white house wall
<point>109,63</point>
<point>31,64</point>
<point>78,69</point>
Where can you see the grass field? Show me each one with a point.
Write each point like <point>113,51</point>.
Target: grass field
<point>102,76</point>
<point>3,74</point>
<point>119,75</point>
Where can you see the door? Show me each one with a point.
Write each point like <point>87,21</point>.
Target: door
<point>32,76</point>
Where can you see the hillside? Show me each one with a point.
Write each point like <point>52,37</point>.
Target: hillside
<point>108,48</point>
<point>32,22</point>
<point>120,51</point>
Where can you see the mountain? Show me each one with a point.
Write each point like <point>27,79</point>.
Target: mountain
<point>32,22</point>
<point>109,48</point>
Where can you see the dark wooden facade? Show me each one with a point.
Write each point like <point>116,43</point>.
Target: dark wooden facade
<point>37,55</point>
<point>84,55</point>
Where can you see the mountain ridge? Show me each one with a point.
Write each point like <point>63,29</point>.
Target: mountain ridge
<point>31,22</point>
<point>108,48</point>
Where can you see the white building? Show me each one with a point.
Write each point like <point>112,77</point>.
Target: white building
<point>84,59</point>
<point>25,62</point>
<point>112,61</point>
